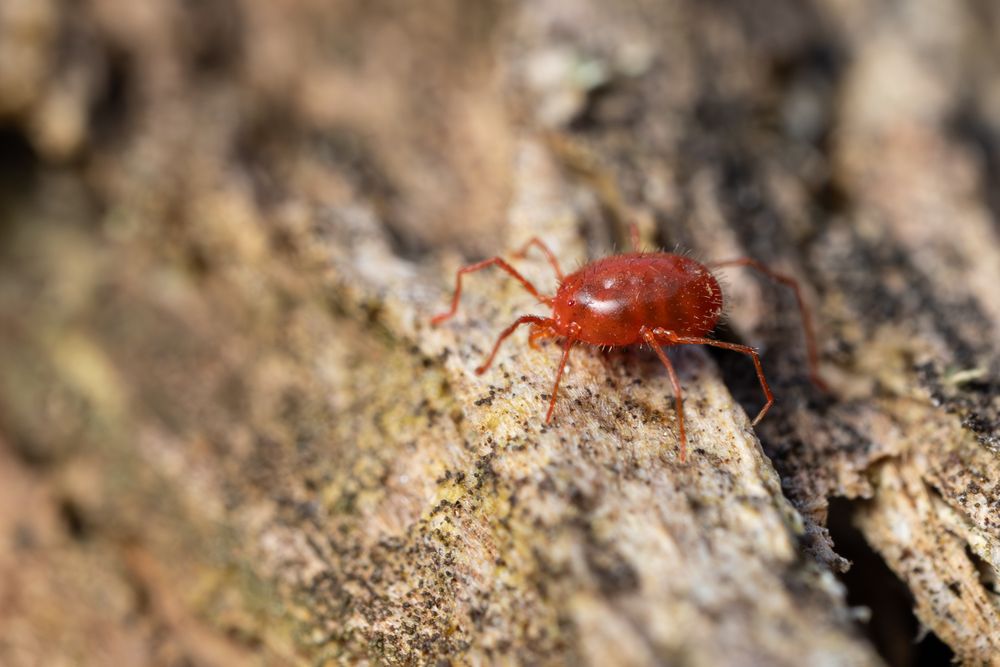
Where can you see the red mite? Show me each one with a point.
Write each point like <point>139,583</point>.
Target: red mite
<point>656,298</point>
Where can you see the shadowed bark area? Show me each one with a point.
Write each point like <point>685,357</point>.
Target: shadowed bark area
<point>229,434</point>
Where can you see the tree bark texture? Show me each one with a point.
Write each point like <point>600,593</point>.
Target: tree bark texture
<point>229,435</point>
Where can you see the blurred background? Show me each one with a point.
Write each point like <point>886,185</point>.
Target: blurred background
<point>223,223</point>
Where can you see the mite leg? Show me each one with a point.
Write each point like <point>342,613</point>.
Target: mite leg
<point>477,267</point>
<point>650,338</point>
<point>803,311</point>
<point>540,332</point>
<point>672,337</point>
<point>524,319</point>
<point>555,387</point>
<point>535,241</point>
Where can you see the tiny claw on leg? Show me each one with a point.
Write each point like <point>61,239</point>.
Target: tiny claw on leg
<point>760,415</point>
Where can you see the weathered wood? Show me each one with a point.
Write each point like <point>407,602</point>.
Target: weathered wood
<point>228,432</point>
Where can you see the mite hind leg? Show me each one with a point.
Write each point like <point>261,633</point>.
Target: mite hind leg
<point>804,313</point>
<point>674,339</point>
<point>654,343</point>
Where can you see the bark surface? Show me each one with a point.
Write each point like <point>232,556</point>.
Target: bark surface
<point>228,434</point>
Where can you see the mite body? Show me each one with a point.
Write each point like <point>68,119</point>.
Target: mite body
<point>615,299</point>
<point>655,298</point>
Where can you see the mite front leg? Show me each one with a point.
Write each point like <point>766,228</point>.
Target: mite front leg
<point>538,333</point>
<point>574,330</point>
<point>478,266</point>
<point>539,322</point>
